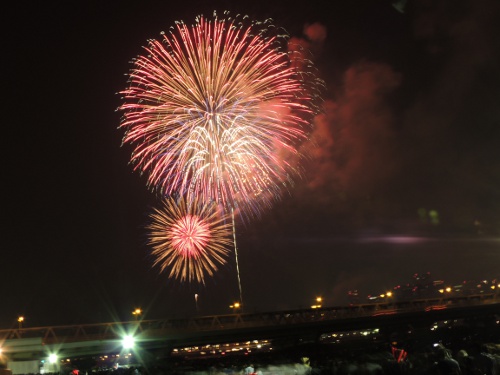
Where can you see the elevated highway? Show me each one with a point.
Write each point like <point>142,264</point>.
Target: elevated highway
<point>21,344</point>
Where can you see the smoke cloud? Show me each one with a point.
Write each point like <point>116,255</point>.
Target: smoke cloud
<point>392,142</point>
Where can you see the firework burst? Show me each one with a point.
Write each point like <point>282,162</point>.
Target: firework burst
<point>190,240</point>
<point>217,110</point>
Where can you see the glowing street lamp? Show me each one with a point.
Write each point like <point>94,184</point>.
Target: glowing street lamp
<point>20,320</point>
<point>128,342</point>
<point>318,305</point>
<point>137,313</point>
<point>235,306</point>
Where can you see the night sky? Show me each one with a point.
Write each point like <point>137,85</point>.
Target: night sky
<point>402,174</point>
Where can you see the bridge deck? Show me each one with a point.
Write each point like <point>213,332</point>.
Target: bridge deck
<point>198,330</point>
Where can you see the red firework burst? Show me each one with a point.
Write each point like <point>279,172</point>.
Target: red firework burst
<point>190,240</point>
<point>217,110</point>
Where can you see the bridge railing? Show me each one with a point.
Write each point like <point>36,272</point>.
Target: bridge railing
<point>116,330</point>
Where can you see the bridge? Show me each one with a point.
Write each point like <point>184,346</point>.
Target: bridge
<point>25,344</point>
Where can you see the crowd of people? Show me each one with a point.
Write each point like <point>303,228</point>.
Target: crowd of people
<point>451,351</point>
<point>474,359</point>
<point>459,350</point>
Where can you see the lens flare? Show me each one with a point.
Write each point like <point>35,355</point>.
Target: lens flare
<point>217,110</point>
<point>191,240</point>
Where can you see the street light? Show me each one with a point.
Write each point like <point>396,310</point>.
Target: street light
<point>137,312</point>
<point>318,305</point>
<point>128,342</point>
<point>20,320</point>
<point>235,306</point>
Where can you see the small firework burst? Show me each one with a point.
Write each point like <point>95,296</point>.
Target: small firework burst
<point>189,239</point>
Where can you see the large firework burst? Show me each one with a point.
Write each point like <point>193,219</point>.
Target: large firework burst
<point>189,239</point>
<point>216,111</point>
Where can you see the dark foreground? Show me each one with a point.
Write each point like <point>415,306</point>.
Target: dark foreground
<point>468,348</point>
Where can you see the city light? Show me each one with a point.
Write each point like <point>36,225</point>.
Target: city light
<point>137,311</point>
<point>128,342</point>
<point>319,301</point>
<point>235,306</point>
<point>53,358</point>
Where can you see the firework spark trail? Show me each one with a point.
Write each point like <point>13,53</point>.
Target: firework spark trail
<point>211,109</point>
<point>189,239</point>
